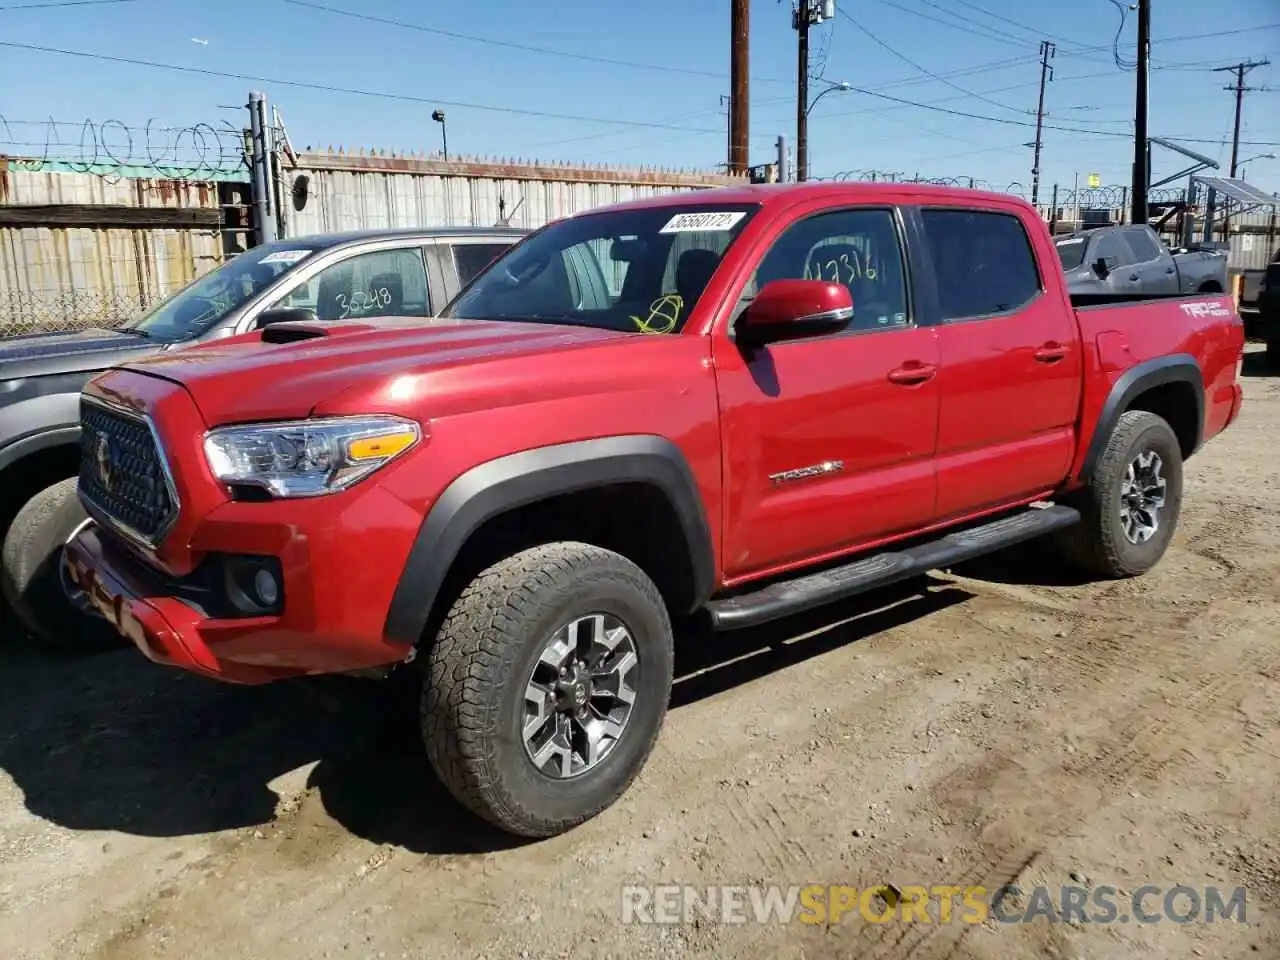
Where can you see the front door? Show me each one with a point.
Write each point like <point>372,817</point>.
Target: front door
<point>829,441</point>
<point>1011,363</point>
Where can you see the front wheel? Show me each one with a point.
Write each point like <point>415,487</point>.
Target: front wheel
<point>32,577</point>
<point>1131,506</point>
<point>1273,353</point>
<point>547,686</point>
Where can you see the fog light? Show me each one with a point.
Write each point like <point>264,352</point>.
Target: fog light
<point>265,586</point>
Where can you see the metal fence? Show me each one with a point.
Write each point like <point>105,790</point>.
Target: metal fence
<point>330,191</point>
<point>80,250</point>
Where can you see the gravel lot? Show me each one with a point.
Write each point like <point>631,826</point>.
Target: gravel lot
<point>996,724</point>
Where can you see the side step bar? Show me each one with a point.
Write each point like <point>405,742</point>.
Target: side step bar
<point>787,597</point>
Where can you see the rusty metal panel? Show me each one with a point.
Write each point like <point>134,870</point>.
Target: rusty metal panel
<point>361,192</point>
<point>76,277</point>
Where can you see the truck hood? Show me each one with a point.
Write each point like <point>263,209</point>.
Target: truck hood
<point>42,354</point>
<point>251,378</point>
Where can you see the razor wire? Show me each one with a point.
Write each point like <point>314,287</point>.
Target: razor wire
<point>112,147</point>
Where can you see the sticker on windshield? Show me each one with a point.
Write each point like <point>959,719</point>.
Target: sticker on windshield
<point>285,256</point>
<point>700,222</point>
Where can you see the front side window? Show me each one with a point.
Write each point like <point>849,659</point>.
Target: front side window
<point>858,248</point>
<point>640,270</point>
<point>202,305</point>
<point>1112,248</point>
<point>1143,247</point>
<point>381,283</point>
<point>983,262</point>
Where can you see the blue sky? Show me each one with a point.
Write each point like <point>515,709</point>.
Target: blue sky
<point>670,95</point>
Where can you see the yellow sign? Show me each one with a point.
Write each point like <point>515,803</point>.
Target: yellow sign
<point>1094,180</point>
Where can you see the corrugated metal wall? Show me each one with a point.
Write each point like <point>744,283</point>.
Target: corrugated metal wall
<point>75,277</point>
<point>365,192</point>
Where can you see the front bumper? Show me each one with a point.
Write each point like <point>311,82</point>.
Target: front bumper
<point>338,572</point>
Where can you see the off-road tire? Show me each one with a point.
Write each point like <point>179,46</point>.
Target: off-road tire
<point>472,703</point>
<point>1098,543</point>
<point>31,581</point>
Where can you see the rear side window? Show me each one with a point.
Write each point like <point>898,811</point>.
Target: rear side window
<point>983,262</point>
<point>1143,247</point>
<point>470,258</point>
<point>1112,248</point>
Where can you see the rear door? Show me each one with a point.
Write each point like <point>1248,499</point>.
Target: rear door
<point>460,260</point>
<point>1011,361</point>
<point>828,441</point>
<point>1152,263</point>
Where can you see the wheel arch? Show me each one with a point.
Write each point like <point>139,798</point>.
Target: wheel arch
<point>32,463</point>
<point>523,481</point>
<point>1171,387</point>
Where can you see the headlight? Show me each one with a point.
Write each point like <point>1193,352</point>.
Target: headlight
<point>308,458</point>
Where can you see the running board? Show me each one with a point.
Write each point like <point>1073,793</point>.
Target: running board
<point>788,597</point>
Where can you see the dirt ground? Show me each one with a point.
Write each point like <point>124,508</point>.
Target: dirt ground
<point>1003,723</point>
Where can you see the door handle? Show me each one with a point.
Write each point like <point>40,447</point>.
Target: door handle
<point>1170,269</point>
<point>1133,276</point>
<point>912,372</point>
<point>1051,352</point>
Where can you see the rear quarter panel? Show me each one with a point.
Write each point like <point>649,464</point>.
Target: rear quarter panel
<point>1118,338</point>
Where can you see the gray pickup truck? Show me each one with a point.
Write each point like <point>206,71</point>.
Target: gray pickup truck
<point>326,277</point>
<point>1134,260</point>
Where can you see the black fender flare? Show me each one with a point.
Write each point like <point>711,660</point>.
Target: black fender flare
<point>1176,368</point>
<point>14,452</point>
<point>519,479</point>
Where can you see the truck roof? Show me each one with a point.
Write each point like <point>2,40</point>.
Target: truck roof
<point>769,194</point>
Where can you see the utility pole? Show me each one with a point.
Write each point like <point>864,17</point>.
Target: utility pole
<point>739,98</point>
<point>1239,69</point>
<point>1046,74</point>
<point>1141,174</point>
<point>804,9</point>
<point>805,14</point>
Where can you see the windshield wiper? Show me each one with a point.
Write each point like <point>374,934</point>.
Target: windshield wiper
<point>134,332</point>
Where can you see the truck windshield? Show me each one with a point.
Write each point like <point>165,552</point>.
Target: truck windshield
<point>639,270</point>
<point>1071,252</point>
<point>202,304</point>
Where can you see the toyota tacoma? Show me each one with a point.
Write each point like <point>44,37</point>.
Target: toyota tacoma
<point>736,404</point>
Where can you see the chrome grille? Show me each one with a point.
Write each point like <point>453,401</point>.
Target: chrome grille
<point>123,473</point>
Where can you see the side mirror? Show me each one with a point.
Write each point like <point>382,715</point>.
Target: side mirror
<point>785,309</point>
<point>285,315</point>
<point>1101,268</point>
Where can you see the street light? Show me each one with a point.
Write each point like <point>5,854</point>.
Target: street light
<point>842,86</point>
<point>438,117</point>
<point>1259,156</point>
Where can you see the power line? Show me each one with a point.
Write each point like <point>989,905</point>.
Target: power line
<point>929,73</point>
<point>330,88</point>
<point>947,23</point>
<point>545,114</point>
<point>1013,23</point>
<point>513,45</point>
<point>60,3</point>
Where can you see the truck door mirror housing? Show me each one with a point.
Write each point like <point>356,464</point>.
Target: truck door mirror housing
<point>786,309</point>
<point>1101,267</point>
<point>285,315</point>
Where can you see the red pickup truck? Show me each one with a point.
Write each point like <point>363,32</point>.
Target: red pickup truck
<point>739,403</point>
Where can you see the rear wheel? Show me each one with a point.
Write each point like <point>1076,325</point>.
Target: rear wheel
<point>547,686</point>
<point>1273,353</point>
<point>31,571</point>
<point>1131,506</point>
